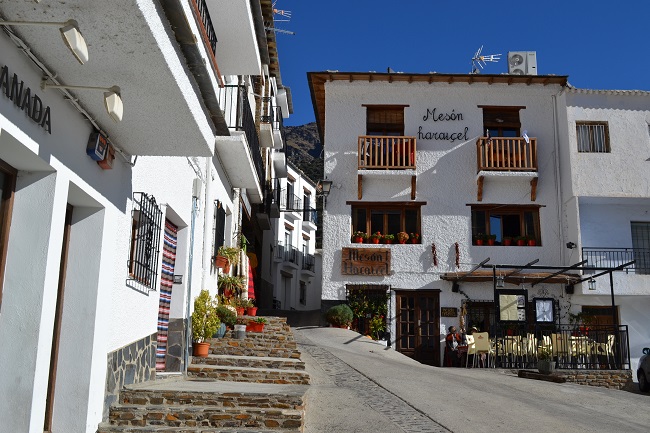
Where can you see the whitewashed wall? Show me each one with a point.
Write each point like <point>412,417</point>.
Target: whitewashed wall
<point>446,180</point>
<point>101,312</point>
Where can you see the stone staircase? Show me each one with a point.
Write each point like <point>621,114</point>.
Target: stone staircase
<point>256,384</point>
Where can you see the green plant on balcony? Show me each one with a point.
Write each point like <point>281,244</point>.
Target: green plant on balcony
<point>388,239</point>
<point>402,237</point>
<point>359,237</point>
<point>375,237</point>
<point>479,239</point>
<point>230,285</point>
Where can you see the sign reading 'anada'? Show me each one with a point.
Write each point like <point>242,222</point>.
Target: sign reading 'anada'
<point>22,97</point>
<point>365,261</point>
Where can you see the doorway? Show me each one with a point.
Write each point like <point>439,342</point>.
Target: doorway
<point>418,325</point>
<point>56,333</point>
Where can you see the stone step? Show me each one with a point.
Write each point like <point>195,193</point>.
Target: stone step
<point>247,374</point>
<point>107,428</point>
<point>199,417</point>
<point>218,394</point>
<point>254,347</point>
<point>251,361</point>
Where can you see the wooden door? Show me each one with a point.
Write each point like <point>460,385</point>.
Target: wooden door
<point>418,325</point>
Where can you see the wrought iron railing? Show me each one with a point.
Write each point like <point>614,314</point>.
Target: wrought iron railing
<point>592,347</point>
<point>613,257</point>
<point>308,262</point>
<point>390,152</point>
<point>291,254</point>
<point>290,202</point>
<point>233,100</point>
<point>207,24</point>
<point>278,125</point>
<point>506,154</point>
<point>278,251</point>
<point>267,110</point>
<point>147,222</point>
<point>310,215</point>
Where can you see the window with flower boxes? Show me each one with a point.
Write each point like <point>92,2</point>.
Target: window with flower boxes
<point>386,217</point>
<point>506,224</point>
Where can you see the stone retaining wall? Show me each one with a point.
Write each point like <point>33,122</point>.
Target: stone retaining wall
<point>133,363</point>
<point>614,379</point>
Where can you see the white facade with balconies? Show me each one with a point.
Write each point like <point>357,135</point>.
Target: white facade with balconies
<point>294,271</point>
<point>97,257</point>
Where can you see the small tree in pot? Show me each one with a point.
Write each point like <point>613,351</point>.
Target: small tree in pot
<point>339,316</point>
<point>205,322</point>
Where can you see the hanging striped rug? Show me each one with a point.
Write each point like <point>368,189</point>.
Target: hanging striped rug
<point>166,284</point>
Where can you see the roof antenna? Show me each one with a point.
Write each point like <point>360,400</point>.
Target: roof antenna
<point>283,13</point>
<point>478,61</point>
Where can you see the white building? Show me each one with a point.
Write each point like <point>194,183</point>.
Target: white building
<point>411,153</point>
<point>606,192</point>
<point>294,271</point>
<point>99,264</point>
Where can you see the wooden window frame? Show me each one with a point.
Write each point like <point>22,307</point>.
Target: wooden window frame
<point>385,128</point>
<point>502,209</point>
<point>510,113</point>
<point>386,206</point>
<point>591,145</point>
<point>6,208</point>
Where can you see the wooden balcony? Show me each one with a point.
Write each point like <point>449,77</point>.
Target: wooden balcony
<point>506,154</point>
<point>386,153</point>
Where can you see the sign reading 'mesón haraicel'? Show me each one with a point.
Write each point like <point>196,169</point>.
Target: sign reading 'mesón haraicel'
<point>365,261</point>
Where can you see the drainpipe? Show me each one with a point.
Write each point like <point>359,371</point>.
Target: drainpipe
<point>188,334</point>
<point>208,212</point>
<point>558,186</point>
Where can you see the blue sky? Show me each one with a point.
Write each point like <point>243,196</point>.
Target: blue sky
<point>598,44</point>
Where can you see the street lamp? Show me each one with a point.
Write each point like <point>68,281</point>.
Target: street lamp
<point>325,187</point>
<point>112,99</point>
<point>70,33</point>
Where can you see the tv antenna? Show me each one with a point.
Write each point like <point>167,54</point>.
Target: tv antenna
<point>479,61</point>
<point>283,13</point>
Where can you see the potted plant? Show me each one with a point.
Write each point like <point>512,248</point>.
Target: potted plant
<point>240,305</point>
<point>545,363</point>
<point>388,239</point>
<point>531,241</point>
<point>521,241</point>
<point>205,323</point>
<point>507,241</point>
<point>256,324</point>
<point>339,316</point>
<point>251,309</point>
<point>479,239</point>
<point>240,328</point>
<point>230,285</point>
<point>359,237</point>
<point>228,319</point>
<point>402,237</point>
<point>226,257</point>
<point>415,238</point>
<point>491,239</point>
<point>375,237</point>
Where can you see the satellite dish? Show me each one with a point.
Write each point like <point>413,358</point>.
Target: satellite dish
<point>516,60</point>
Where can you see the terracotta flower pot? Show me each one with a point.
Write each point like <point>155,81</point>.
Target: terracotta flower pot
<point>251,311</point>
<point>200,350</point>
<point>490,241</point>
<point>507,242</point>
<point>223,263</point>
<point>521,243</point>
<point>357,240</point>
<point>374,241</point>
<point>402,242</point>
<point>415,241</point>
<point>240,311</point>
<point>255,327</point>
<point>479,242</point>
<point>531,242</point>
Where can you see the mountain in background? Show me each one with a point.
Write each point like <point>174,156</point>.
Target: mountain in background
<point>304,149</point>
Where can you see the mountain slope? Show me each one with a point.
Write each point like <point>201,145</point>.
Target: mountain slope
<point>304,149</point>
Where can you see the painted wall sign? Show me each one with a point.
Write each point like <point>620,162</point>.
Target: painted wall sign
<point>365,261</point>
<point>435,116</point>
<point>22,97</point>
<point>448,312</point>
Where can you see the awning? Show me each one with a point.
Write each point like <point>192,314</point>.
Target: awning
<point>517,278</point>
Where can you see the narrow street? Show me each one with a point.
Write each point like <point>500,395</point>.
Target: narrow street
<point>360,386</point>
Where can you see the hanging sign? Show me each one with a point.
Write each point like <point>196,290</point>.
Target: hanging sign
<point>365,261</point>
<point>448,312</point>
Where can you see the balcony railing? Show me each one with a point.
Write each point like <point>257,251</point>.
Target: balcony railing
<point>233,100</point>
<point>268,115</point>
<point>506,154</point>
<point>613,257</point>
<point>207,24</point>
<point>310,215</point>
<point>386,153</point>
<point>278,125</point>
<point>285,253</point>
<point>290,202</point>
<point>308,262</point>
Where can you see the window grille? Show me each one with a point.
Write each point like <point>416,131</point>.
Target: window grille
<point>145,240</point>
<point>593,137</point>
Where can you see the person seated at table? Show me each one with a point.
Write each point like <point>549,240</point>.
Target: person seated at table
<point>452,341</point>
